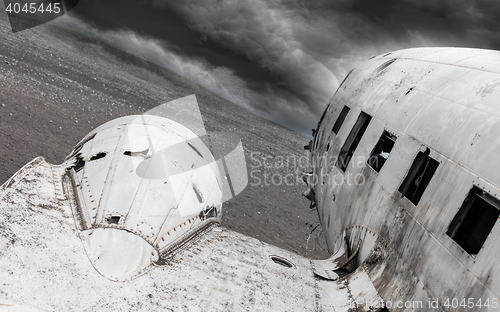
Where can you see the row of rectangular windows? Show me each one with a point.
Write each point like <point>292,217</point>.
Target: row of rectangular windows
<point>474,221</point>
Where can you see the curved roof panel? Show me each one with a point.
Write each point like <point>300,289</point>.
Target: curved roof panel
<point>446,98</point>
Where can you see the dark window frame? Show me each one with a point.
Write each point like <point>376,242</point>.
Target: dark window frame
<point>352,141</point>
<point>474,220</point>
<point>418,177</point>
<point>340,120</point>
<point>376,161</point>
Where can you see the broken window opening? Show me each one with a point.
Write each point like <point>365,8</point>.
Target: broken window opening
<point>209,212</point>
<point>381,151</point>
<point>352,141</point>
<point>140,154</point>
<point>98,156</point>
<point>418,177</point>
<point>113,219</point>
<point>474,221</point>
<point>79,164</point>
<point>340,120</point>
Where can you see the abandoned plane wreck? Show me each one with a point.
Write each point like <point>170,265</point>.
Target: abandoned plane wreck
<point>406,177</point>
<point>405,180</point>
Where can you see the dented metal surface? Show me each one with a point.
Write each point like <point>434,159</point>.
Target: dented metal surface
<point>45,266</point>
<point>146,183</point>
<point>136,202</point>
<point>444,100</point>
<point>129,223</point>
<point>142,186</point>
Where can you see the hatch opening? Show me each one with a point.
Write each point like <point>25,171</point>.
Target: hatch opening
<point>113,219</point>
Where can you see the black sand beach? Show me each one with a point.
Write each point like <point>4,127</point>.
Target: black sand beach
<point>57,85</point>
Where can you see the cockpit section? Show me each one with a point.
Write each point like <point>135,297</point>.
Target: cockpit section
<point>143,185</point>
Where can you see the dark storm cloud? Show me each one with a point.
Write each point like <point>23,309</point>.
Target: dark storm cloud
<point>265,34</point>
<point>283,59</point>
<point>446,22</point>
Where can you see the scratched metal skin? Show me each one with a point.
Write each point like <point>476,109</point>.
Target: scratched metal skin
<point>144,185</point>
<point>444,99</point>
<point>45,264</point>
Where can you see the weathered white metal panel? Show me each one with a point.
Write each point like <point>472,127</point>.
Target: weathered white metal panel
<point>444,99</point>
<point>46,267</point>
<point>148,178</point>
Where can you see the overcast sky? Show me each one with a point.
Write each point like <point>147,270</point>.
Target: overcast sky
<point>282,59</point>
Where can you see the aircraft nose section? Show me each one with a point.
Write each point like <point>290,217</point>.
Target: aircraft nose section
<point>117,254</point>
<point>143,186</point>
